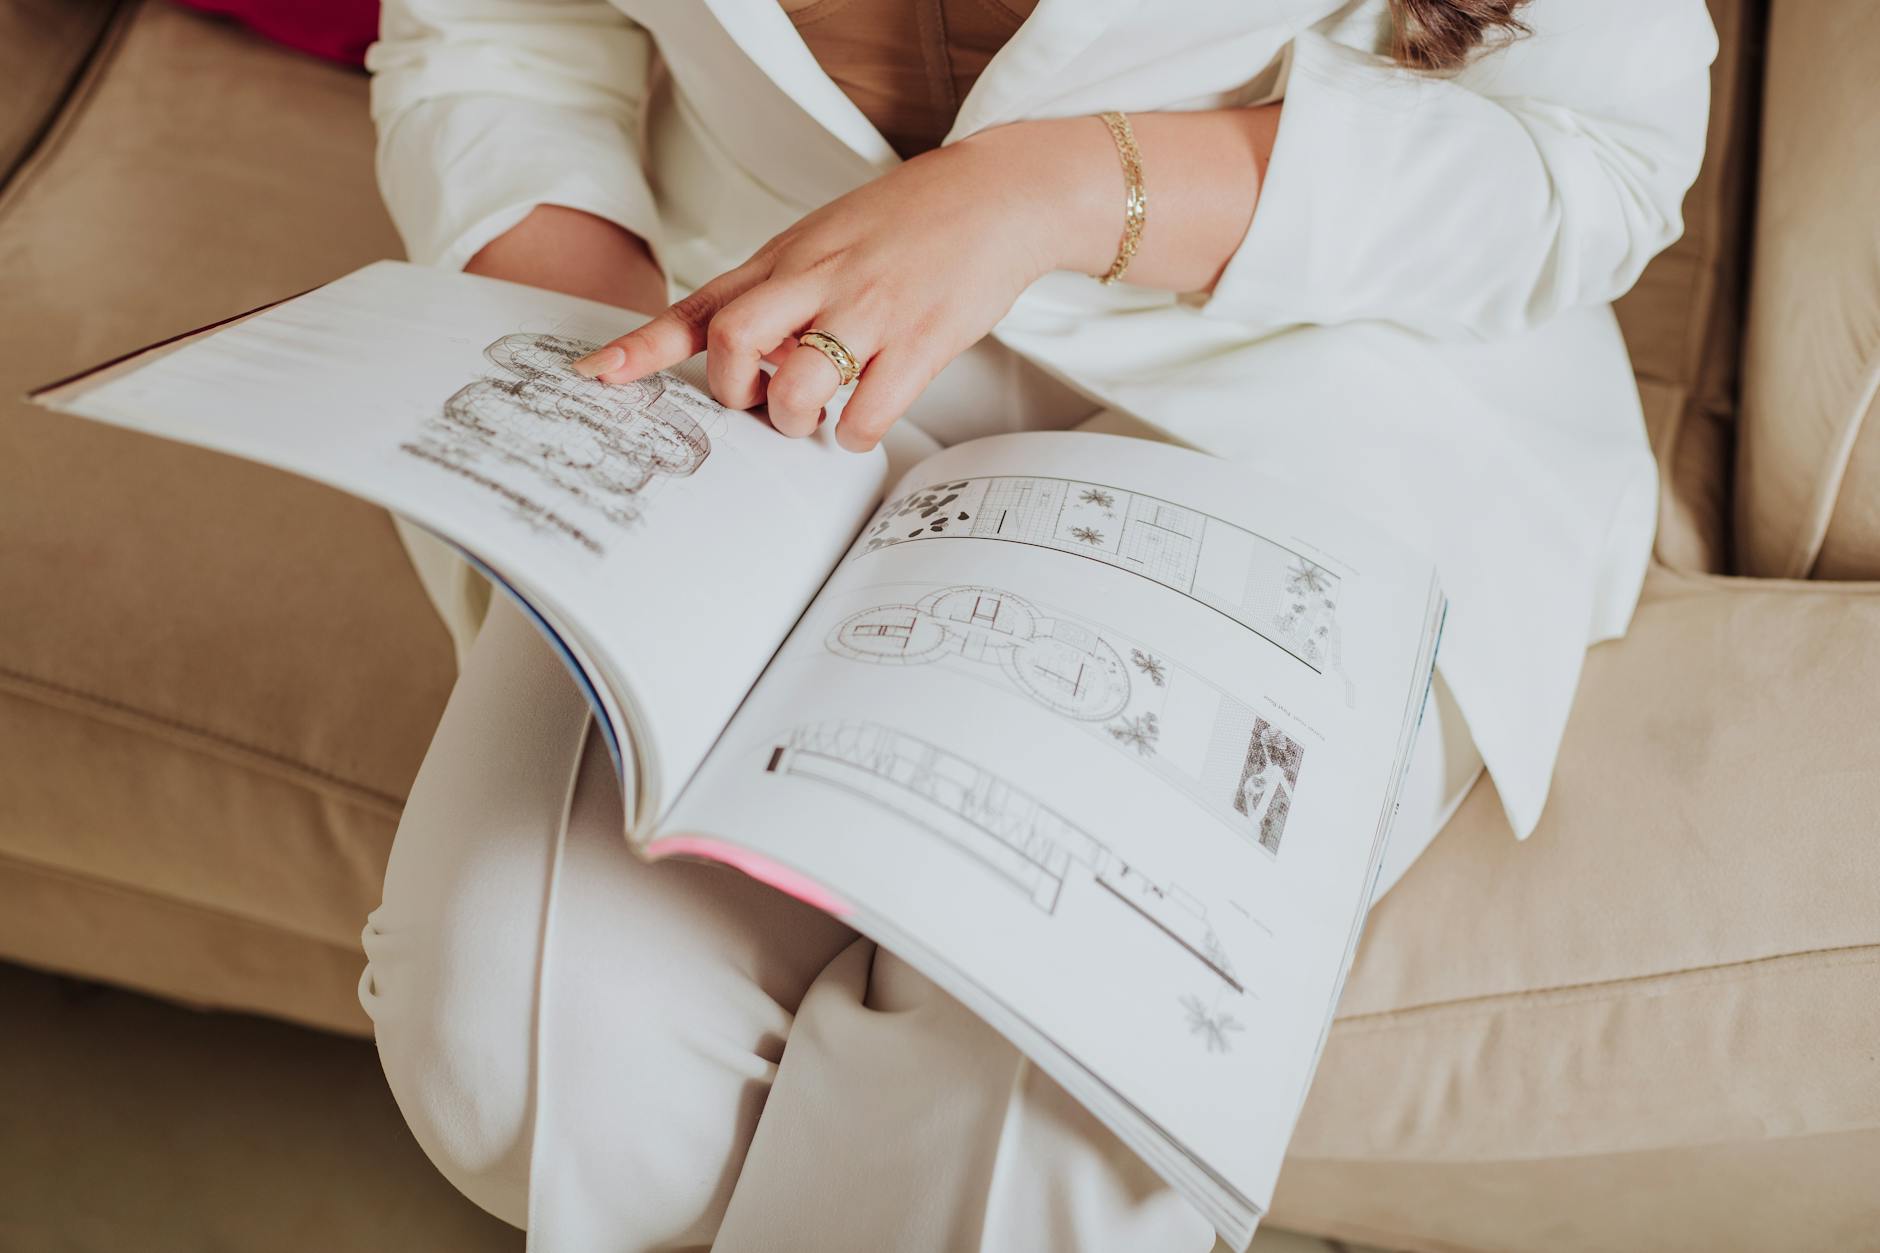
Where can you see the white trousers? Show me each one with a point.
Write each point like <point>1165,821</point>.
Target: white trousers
<point>622,1056</point>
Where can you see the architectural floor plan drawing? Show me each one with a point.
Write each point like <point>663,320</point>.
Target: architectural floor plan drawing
<point>1271,589</point>
<point>563,452</point>
<point>1033,848</point>
<point>1238,765</point>
<point>1062,664</point>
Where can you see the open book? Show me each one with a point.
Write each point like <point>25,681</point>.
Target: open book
<point>1102,735</point>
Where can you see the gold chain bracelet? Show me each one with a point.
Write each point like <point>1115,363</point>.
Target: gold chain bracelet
<point>1136,199</point>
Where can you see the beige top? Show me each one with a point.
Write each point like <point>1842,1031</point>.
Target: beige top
<point>907,64</point>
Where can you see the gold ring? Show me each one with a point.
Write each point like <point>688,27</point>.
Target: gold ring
<point>847,367</point>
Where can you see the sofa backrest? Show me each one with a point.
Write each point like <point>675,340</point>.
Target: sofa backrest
<point>1683,321</point>
<point>1808,456</point>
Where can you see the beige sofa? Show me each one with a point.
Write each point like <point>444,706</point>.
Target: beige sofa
<point>1654,1025</point>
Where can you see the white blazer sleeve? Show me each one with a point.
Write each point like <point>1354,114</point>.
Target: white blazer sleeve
<point>1543,176</point>
<point>488,108</point>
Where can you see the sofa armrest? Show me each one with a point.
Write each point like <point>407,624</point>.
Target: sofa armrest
<point>45,47</point>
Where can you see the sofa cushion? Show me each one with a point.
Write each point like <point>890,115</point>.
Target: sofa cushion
<point>115,798</point>
<point>223,622</point>
<point>60,921</point>
<point>1686,952</point>
<point>1809,461</point>
<point>1795,1194</point>
<point>45,46</point>
<point>1683,319</point>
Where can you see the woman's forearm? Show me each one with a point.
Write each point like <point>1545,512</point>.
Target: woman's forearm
<point>566,250</point>
<point>1203,173</point>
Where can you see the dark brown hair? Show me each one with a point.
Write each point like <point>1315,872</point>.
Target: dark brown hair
<point>1443,34</point>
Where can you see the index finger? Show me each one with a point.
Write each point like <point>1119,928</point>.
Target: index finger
<point>676,333</point>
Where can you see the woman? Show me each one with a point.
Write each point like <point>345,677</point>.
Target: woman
<point>1379,243</point>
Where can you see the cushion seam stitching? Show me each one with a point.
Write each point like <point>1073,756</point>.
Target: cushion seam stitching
<point>1862,954</point>
<point>216,738</point>
<point>168,899</point>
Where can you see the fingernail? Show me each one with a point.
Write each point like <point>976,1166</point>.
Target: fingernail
<point>600,361</point>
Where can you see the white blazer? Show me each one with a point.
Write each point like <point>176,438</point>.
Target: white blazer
<point>1415,323</point>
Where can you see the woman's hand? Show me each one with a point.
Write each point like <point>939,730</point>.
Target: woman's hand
<point>912,269</point>
<point>566,250</point>
<point>907,272</point>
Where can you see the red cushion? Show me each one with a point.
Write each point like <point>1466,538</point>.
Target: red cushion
<point>338,30</point>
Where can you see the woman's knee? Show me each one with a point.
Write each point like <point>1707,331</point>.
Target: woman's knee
<point>455,1049</point>
<point>644,1067</point>
<point>454,950</point>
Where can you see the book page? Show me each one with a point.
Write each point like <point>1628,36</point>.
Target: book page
<point>668,542</point>
<point>1102,735</point>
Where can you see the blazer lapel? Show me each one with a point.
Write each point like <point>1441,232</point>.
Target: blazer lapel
<point>763,31</point>
<point>1031,66</point>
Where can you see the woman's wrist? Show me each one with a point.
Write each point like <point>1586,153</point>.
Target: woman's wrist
<point>1064,184</point>
<point>1062,187</point>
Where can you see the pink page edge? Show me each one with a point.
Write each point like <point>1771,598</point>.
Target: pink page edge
<point>790,882</point>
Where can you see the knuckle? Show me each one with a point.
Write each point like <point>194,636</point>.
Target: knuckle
<point>696,309</point>
<point>794,395</point>
<point>858,432</point>
<point>733,331</point>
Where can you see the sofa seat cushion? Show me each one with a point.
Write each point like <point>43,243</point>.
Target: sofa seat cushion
<point>1715,796</point>
<point>1685,953</point>
<point>181,628</point>
<point>1796,1194</point>
<point>112,797</point>
<point>1809,462</point>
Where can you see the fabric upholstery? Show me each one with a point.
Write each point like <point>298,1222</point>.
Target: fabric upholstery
<point>1809,462</point>
<point>1683,319</point>
<point>216,827</point>
<point>1686,953</point>
<point>45,46</point>
<point>1693,451</point>
<point>117,933</point>
<point>219,680</point>
<point>1794,1194</point>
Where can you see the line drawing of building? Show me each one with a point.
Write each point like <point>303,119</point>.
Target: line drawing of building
<point>1033,848</point>
<point>550,442</point>
<point>1239,766</point>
